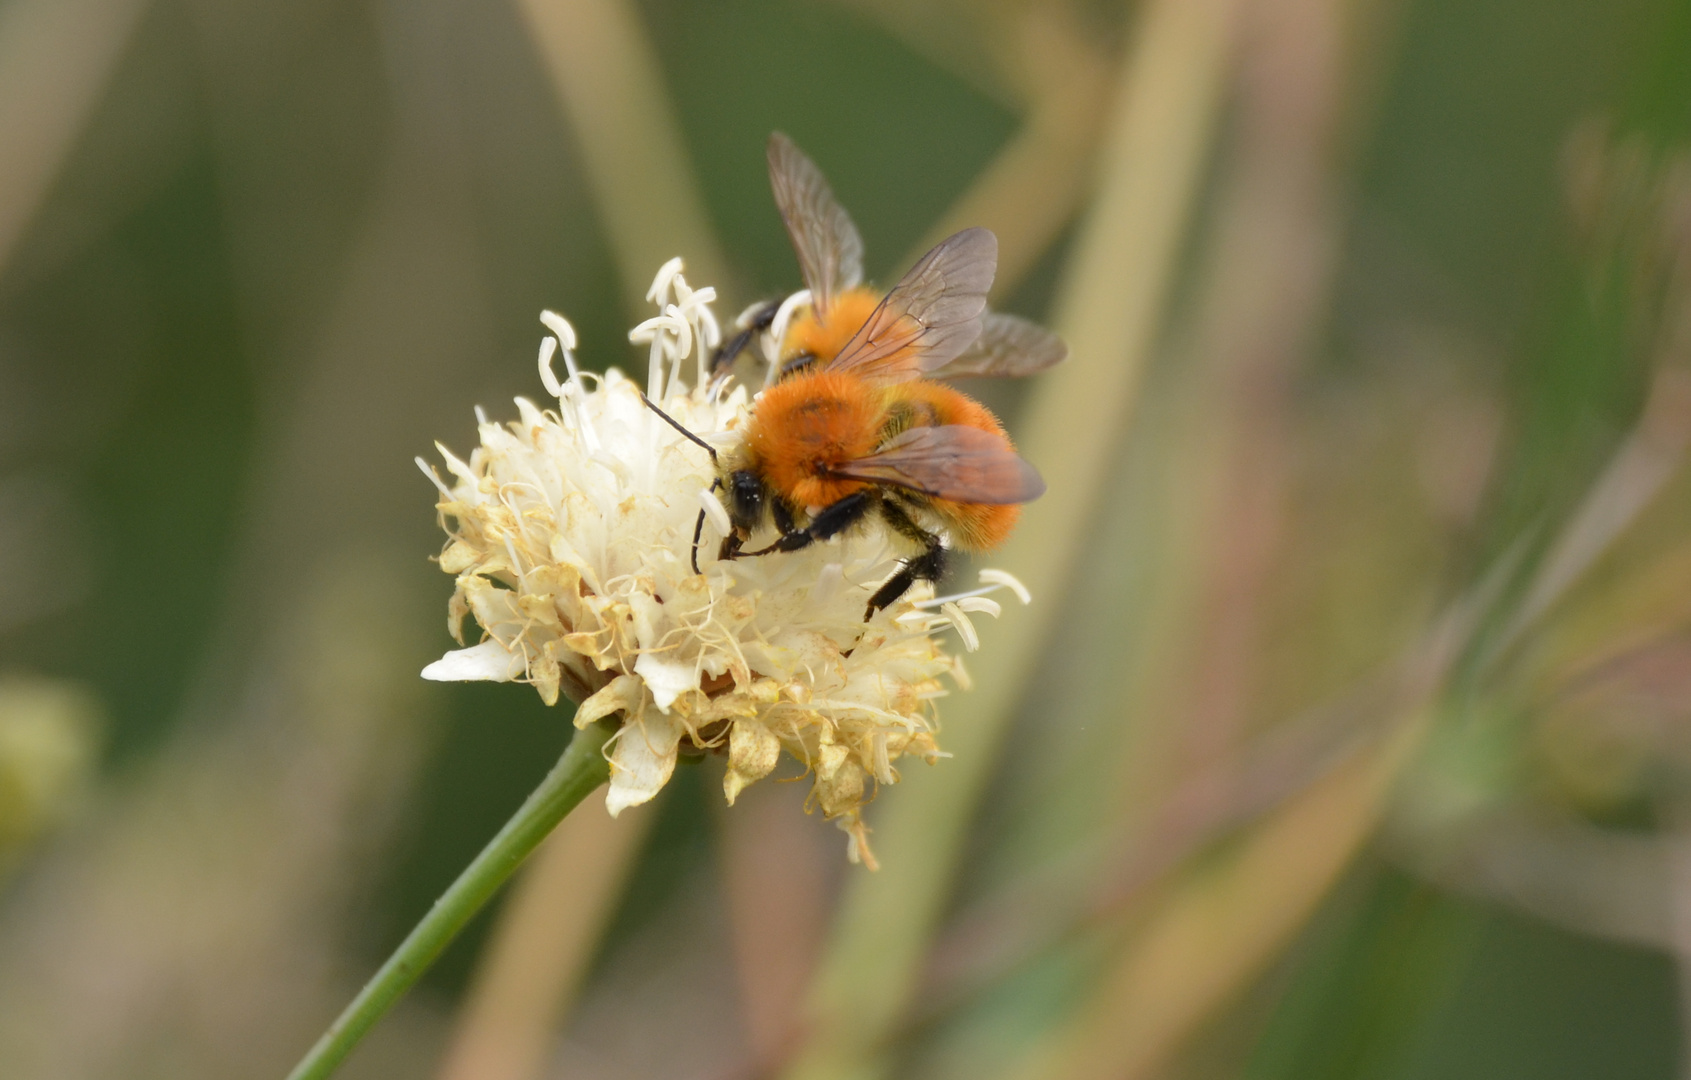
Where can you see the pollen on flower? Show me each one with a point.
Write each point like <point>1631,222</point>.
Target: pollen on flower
<point>571,532</point>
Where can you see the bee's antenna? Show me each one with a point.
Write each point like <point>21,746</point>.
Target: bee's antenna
<point>670,420</point>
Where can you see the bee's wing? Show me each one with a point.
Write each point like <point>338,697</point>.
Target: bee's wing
<point>1007,346</point>
<point>930,317</point>
<point>829,249</point>
<point>954,462</point>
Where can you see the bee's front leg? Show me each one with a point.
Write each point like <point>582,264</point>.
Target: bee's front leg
<point>831,520</point>
<point>730,549</point>
<point>729,351</point>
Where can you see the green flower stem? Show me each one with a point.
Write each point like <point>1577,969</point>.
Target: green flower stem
<point>581,769</point>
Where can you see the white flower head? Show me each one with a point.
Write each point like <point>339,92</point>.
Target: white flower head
<point>572,534</point>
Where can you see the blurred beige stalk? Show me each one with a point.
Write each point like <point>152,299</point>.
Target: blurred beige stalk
<point>1231,457</point>
<point>983,43</point>
<point>193,928</point>
<point>1045,166</point>
<point>1230,450</point>
<point>195,922</point>
<point>49,748</point>
<point>1633,208</point>
<point>1681,893</point>
<point>778,864</point>
<point>1652,453</point>
<point>56,57</point>
<point>1111,306</point>
<point>1595,653</point>
<point>1263,303</point>
<point>191,921</point>
<point>1599,661</point>
<point>1039,180</point>
<point>612,89</point>
<point>1223,925</point>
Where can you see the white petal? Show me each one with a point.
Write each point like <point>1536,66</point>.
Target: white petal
<point>714,510</point>
<point>642,761</point>
<point>829,584</point>
<point>621,694</point>
<point>487,662</point>
<point>666,679</point>
<point>455,465</point>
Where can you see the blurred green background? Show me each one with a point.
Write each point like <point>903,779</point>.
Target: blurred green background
<point>1394,487</point>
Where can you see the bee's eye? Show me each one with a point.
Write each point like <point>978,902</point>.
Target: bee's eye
<point>745,494</point>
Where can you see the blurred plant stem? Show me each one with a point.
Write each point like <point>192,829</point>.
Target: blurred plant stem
<point>221,866</point>
<point>1035,184</point>
<point>581,768</point>
<point>606,76</point>
<point>1679,892</point>
<point>56,57</point>
<point>1230,449</point>
<point>1111,306</point>
<point>1206,936</point>
<point>777,867</point>
<point>1261,305</point>
<point>1191,690</point>
<point>49,744</point>
<point>532,966</point>
<point>610,85</point>
<point>1649,457</point>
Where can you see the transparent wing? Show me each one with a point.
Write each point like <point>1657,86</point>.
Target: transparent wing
<point>962,464</point>
<point>930,317</point>
<point>829,249</point>
<point>1006,346</point>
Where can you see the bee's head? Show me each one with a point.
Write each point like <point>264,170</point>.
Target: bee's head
<point>746,499</point>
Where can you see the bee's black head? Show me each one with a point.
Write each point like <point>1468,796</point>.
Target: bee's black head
<point>746,499</point>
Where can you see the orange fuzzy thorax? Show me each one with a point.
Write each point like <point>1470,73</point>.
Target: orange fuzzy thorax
<point>824,340</point>
<point>808,425</point>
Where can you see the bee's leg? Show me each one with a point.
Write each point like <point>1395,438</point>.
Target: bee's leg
<point>698,534</point>
<point>797,363</point>
<point>784,523</point>
<point>928,566</point>
<point>831,520</point>
<point>730,548</point>
<point>730,350</point>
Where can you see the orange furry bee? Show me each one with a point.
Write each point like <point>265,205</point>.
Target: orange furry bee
<point>854,425</point>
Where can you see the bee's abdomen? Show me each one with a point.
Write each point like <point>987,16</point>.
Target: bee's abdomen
<point>920,403</point>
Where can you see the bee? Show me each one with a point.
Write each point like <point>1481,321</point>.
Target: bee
<point>855,426</point>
